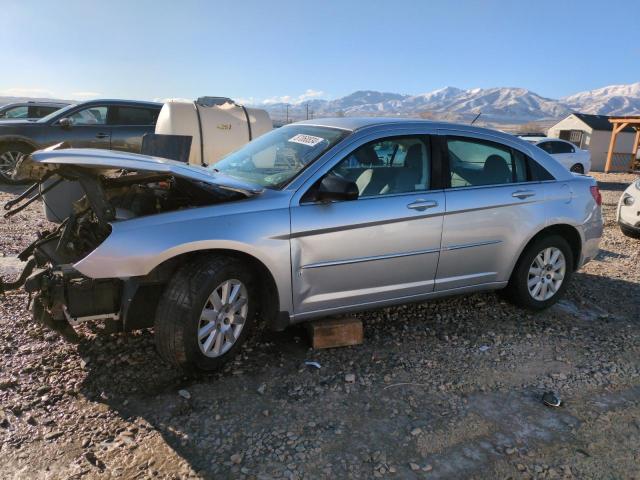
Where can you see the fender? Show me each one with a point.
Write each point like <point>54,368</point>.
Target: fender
<point>19,139</point>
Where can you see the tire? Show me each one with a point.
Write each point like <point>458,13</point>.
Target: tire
<point>181,313</point>
<point>518,291</point>
<point>629,232</point>
<point>577,168</point>
<point>9,155</point>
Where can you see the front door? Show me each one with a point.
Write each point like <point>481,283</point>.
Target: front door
<point>382,246</point>
<point>87,128</point>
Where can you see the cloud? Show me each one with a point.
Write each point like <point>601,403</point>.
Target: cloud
<point>85,94</point>
<point>27,92</point>
<point>309,94</point>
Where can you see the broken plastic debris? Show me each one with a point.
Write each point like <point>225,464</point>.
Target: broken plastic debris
<point>550,399</point>
<point>310,363</point>
<point>484,348</point>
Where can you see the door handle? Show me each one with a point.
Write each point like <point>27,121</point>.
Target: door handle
<point>102,135</point>
<point>522,194</point>
<point>422,204</point>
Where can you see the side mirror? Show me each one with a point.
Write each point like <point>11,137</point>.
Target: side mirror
<point>65,122</point>
<point>334,188</point>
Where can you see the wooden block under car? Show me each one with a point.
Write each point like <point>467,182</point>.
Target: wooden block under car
<point>336,332</point>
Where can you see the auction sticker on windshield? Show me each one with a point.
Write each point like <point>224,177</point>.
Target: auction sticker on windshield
<point>308,140</point>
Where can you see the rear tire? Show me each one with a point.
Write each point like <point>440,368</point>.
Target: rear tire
<point>196,328</point>
<point>629,232</point>
<point>538,269</point>
<point>10,153</point>
<point>577,168</point>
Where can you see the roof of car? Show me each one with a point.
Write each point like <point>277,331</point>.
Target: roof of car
<point>103,101</point>
<point>35,103</point>
<point>357,123</point>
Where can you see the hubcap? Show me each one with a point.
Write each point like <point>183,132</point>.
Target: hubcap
<point>223,318</point>
<point>546,274</point>
<point>8,162</point>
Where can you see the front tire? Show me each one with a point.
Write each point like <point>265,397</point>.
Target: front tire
<point>542,273</point>
<point>629,232</point>
<point>206,313</point>
<point>10,154</point>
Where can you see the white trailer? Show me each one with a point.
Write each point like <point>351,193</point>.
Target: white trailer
<point>217,126</point>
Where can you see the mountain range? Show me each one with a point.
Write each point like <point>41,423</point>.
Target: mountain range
<point>496,105</point>
<point>506,105</point>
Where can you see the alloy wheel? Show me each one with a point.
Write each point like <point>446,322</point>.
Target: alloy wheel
<point>223,318</point>
<point>546,273</point>
<point>8,162</point>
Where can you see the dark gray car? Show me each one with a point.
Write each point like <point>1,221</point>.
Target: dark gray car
<point>108,124</point>
<point>32,110</point>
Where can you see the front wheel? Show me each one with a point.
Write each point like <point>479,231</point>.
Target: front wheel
<point>629,232</point>
<point>205,313</point>
<point>541,274</point>
<point>10,155</point>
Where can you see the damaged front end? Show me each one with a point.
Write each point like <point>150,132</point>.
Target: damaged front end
<point>98,194</point>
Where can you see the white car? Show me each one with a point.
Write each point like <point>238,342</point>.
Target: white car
<point>628,215</point>
<point>573,158</point>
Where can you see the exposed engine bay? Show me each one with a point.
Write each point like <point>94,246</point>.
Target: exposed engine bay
<point>62,297</point>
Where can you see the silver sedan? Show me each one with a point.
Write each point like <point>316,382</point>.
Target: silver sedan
<point>312,219</point>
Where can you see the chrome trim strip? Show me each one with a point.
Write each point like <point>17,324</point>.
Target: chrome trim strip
<point>369,259</point>
<point>469,245</point>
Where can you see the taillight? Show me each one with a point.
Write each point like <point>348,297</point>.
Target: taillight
<point>595,193</point>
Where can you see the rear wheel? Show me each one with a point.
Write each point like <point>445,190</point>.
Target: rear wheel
<point>577,168</point>
<point>206,313</point>
<point>10,154</point>
<point>541,274</point>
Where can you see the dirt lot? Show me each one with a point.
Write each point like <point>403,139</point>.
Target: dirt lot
<point>447,389</point>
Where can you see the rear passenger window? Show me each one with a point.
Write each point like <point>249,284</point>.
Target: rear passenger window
<point>477,162</point>
<point>561,147</point>
<point>389,166</point>
<point>136,116</point>
<point>537,173</point>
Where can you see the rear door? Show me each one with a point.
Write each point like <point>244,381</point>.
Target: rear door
<point>382,246</point>
<point>492,205</point>
<point>129,124</point>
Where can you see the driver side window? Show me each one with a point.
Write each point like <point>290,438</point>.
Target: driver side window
<point>389,166</point>
<point>96,115</point>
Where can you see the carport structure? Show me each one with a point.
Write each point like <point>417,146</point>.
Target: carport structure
<point>622,161</point>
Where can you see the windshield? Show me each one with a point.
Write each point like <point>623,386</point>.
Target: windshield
<point>53,115</point>
<point>273,159</point>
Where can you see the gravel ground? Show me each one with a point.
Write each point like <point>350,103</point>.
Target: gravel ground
<point>446,389</point>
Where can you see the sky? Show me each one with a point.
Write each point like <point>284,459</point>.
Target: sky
<point>268,51</point>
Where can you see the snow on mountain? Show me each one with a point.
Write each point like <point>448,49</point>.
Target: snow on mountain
<point>611,100</point>
<point>501,105</point>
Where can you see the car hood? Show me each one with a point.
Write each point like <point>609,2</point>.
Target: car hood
<point>109,159</point>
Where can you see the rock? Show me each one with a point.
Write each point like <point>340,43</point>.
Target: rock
<point>350,378</point>
<point>184,394</point>
<point>261,389</point>
<point>416,431</point>
<point>52,435</point>
<point>427,468</point>
<point>414,466</point>
<point>236,458</point>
